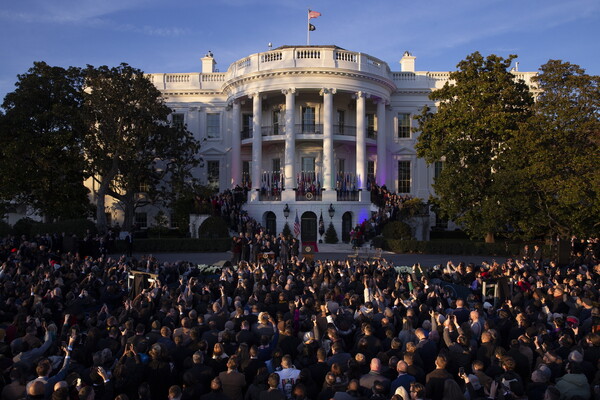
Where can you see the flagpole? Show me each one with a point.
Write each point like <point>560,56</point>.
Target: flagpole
<point>308,28</point>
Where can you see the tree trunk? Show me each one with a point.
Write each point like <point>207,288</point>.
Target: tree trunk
<point>105,181</point>
<point>100,208</point>
<point>489,237</point>
<point>129,211</point>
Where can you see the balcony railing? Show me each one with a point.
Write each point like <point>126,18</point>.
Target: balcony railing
<point>303,129</point>
<point>308,129</point>
<point>344,130</point>
<point>269,195</point>
<point>350,195</point>
<point>309,195</point>
<point>273,130</point>
<point>246,133</point>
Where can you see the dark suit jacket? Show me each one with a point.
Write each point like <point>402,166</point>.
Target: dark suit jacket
<point>434,386</point>
<point>233,383</point>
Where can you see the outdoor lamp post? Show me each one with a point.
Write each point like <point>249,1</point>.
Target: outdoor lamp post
<point>286,211</point>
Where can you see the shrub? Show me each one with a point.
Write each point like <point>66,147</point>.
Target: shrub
<point>150,246</point>
<point>79,227</point>
<point>5,229</point>
<point>287,232</point>
<point>452,247</point>
<point>397,230</point>
<point>214,228</point>
<point>331,235</point>
<point>24,226</point>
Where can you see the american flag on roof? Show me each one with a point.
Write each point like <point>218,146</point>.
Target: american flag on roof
<point>313,14</point>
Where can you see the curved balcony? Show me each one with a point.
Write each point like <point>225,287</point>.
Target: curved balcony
<point>312,131</point>
<point>285,57</point>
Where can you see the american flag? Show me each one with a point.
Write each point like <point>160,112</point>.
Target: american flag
<point>297,225</point>
<point>313,14</point>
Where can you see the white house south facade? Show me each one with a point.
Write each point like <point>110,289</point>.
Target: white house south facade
<point>307,129</point>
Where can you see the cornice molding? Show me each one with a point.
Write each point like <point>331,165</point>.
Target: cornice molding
<point>230,85</point>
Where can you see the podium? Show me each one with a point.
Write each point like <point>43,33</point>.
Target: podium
<point>308,251</point>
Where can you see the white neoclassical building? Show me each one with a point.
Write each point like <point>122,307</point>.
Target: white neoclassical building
<point>306,129</point>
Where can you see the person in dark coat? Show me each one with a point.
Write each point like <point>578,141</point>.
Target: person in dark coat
<point>434,382</point>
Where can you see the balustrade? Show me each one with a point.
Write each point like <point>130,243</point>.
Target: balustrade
<point>308,54</point>
<point>308,129</point>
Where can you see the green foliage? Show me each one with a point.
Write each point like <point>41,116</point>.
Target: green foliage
<point>129,141</point>
<point>24,226</point>
<point>79,227</point>
<point>213,227</point>
<point>160,228</point>
<point>411,208</point>
<point>557,154</point>
<point>397,230</point>
<point>331,235</point>
<point>41,131</point>
<point>5,229</point>
<point>287,232</point>
<point>31,228</point>
<point>452,247</point>
<point>480,110</point>
<point>175,245</point>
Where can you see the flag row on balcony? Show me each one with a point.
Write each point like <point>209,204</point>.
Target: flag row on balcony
<point>308,182</point>
<point>272,182</point>
<point>346,182</point>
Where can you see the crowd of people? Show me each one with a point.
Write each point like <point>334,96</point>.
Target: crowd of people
<point>70,328</point>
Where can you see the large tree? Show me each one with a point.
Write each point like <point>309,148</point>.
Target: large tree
<point>478,111</point>
<point>558,152</point>
<point>41,159</point>
<point>130,142</point>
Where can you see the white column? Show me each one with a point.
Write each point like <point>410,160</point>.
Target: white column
<point>236,146</point>
<point>328,170</point>
<point>361,134</point>
<point>256,143</point>
<point>381,143</point>
<point>289,169</point>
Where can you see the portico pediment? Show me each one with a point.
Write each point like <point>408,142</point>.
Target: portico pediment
<point>209,150</point>
<point>404,151</point>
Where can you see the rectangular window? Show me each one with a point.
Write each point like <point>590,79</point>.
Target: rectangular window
<point>247,126</point>
<point>213,173</point>
<point>440,223</point>
<point>143,187</point>
<point>340,165</point>
<point>308,164</point>
<point>178,120</point>
<point>276,164</point>
<point>277,122</point>
<point>404,126</point>
<point>403,176</point>
<point>308,120</point>
<point>371,129</point>
<point>341,118</point>
<point>174,222</point>
<point>370,174</point>
<point>438,166</point>
<point>213,125</point>
<point>246,168</point>
<point>141,220</point>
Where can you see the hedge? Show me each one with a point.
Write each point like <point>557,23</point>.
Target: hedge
<point>455,247</point>
<point>30,228</point>
<point>175,245</point>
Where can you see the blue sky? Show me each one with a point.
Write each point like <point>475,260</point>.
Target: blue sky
<point>172,36</point>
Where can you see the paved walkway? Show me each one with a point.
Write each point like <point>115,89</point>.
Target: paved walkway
<point>338,251</point>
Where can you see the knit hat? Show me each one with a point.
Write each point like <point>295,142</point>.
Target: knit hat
<point>575,356</point>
